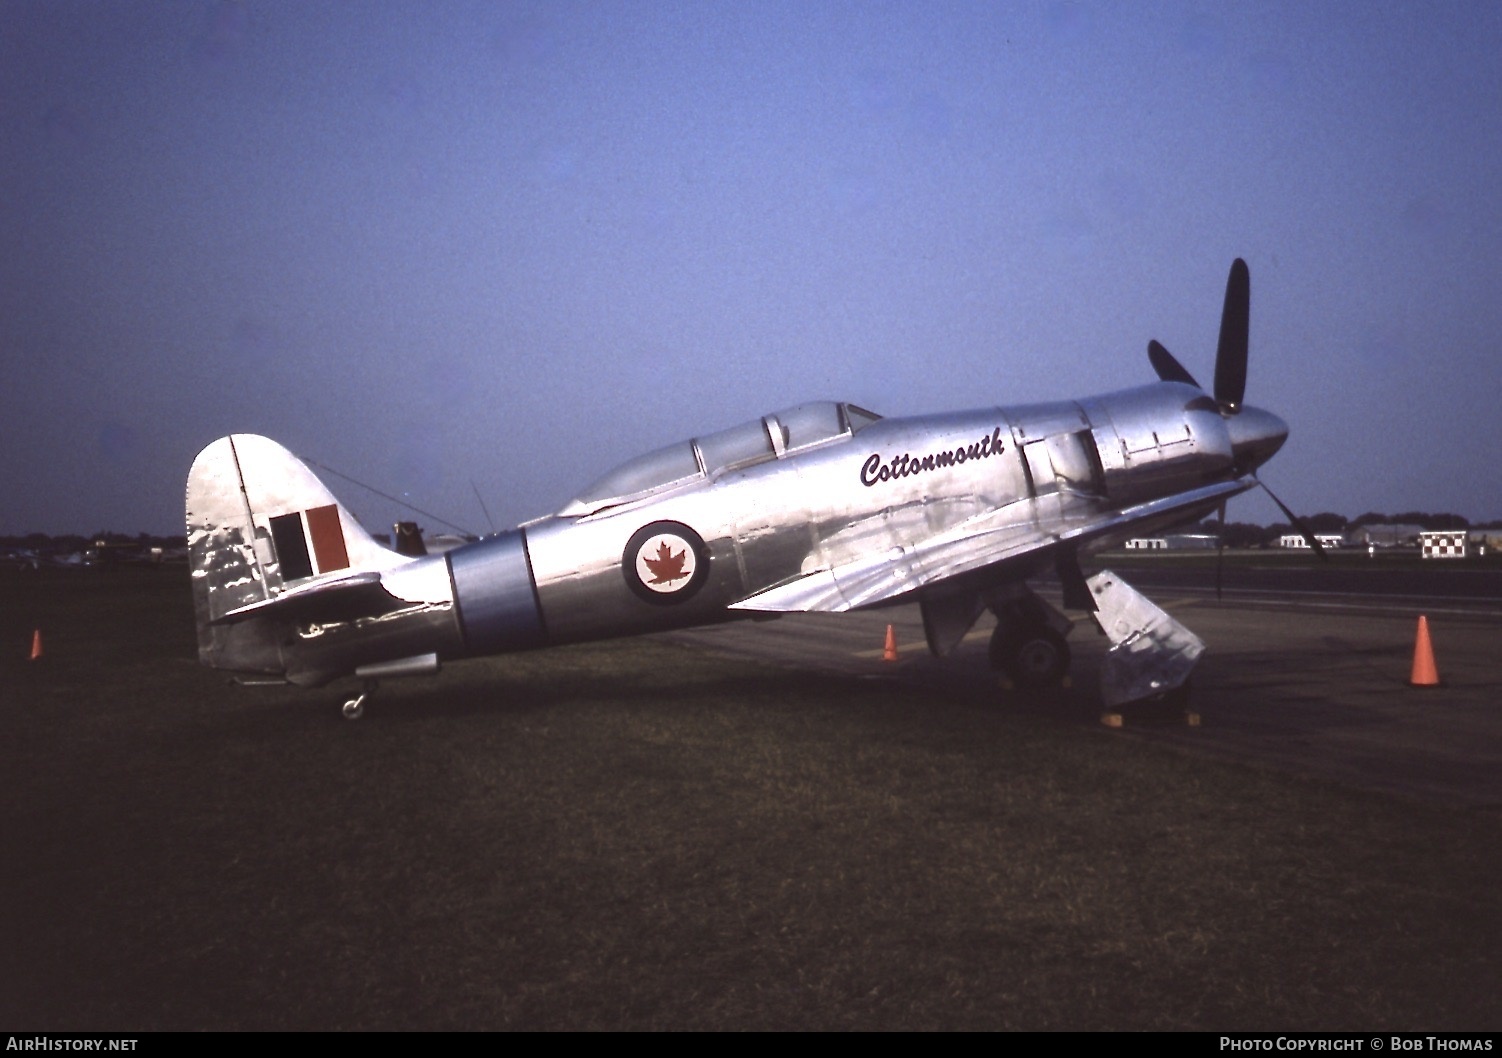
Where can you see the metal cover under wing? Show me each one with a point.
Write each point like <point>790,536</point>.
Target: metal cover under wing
<point>1151,653</point>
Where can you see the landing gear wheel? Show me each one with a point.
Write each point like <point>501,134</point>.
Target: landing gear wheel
<point>355,707</point>
<point>1033,658</point>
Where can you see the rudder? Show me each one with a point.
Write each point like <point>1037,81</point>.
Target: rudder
<point>259,521</point>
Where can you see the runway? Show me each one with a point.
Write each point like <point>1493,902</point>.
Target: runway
<point>1310,680</point>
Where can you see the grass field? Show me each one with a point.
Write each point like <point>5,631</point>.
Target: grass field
<point>636,835</point>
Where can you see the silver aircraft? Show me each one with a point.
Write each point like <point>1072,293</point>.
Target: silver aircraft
<point>821,507</point>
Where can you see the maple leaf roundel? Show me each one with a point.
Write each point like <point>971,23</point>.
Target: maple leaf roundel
<point>665,562</point>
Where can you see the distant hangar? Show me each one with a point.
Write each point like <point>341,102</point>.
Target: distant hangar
<point>1442,543</point>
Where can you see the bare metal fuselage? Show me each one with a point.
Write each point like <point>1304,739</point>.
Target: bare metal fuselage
<point>858,512</point>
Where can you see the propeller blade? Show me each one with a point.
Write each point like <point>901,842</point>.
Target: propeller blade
<point>1230,358</point>
<point>1220,548</point>
<point>1294,520</point>
<point>1168,368</point>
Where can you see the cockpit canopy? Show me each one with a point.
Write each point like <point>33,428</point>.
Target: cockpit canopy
<point>772,436</point>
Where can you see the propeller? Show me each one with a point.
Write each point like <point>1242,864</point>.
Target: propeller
<point>1230,355</point>
<point>1297,522</point>
<point>1168,369</point>
<point>1256,435</point>
<point>1220,548</point>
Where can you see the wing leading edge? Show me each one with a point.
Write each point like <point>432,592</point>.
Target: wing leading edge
<point>969,547</point>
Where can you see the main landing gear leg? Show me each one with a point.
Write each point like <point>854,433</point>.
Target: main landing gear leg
<point>355,707</point>
<point>1028,645</point>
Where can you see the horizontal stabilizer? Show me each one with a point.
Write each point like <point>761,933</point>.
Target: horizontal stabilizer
<point>343,599</point>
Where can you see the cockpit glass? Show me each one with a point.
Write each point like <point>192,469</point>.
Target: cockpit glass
<point>666,466</point>
<point>859,418</point>
<point>810,424</point>
<point>738,446</point>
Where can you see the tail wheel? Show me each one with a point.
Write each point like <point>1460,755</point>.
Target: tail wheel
<point>1034,658</point>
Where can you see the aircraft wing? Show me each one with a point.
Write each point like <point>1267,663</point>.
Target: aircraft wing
<point>971,546</point>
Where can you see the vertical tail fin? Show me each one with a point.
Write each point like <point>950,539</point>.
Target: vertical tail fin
<point>258,522</point>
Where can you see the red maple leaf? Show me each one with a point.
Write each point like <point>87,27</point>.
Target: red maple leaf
<point>666,567</point>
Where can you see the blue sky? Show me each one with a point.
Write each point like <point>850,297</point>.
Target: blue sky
<point>448,247</point>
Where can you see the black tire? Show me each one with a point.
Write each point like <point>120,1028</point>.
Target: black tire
<point>1033,658</point>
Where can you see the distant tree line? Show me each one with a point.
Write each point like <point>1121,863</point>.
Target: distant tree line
<point>74,542</point>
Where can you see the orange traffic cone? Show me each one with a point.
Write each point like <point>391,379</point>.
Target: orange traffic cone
<point>1424,672</point>
<point>889,652</point>
<point>36,644</point>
